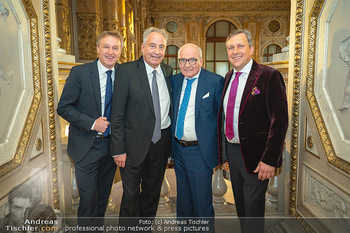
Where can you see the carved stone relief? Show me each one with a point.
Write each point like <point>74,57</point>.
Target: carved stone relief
<point>328,200</point>
<point>19,82</point>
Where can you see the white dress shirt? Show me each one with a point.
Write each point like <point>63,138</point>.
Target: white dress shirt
<point>241,85</point>
<point>189,122</point>
<point>103,82</point>
<point>164,98</point>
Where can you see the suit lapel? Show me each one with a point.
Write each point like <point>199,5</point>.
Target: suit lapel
<point>95,82</point>
<point>167,80</point>
<point>177,94</point>
<point>202,83</point>
<point>253,75</point>
<point>142,74</point>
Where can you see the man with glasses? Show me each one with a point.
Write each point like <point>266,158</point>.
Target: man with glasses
<point>196,97</point>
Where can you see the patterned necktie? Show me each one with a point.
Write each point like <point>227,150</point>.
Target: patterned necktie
<point>156,106</point>
<point>231,107</point>
<point>108,100</point>
<point>183,109</point>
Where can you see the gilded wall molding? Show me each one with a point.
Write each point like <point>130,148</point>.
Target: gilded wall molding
<point>312,101</point>
<point>34,106</point>
<point>295,127</point>
<point>51,102</point>
<point>310,93</point>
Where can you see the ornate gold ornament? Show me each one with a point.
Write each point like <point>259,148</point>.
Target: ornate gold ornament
<point>38,144</point>
<point>295,129</point>
<point>50,100</point>
<point>310,141</point>
<point>34,106</point>
<point>89,27</point>
<point>274,26</point>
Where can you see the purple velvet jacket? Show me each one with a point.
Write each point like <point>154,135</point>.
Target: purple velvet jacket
<point>263,118</point>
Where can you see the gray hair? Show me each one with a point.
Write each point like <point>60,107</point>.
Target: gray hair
<point>154,29</point>
<point>239,31</point>
<point>115,34</point>
<point>199,50</point>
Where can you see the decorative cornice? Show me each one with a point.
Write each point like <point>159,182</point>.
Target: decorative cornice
<point>34,106</point>
<point>221,6</point>
<point>51,102</point>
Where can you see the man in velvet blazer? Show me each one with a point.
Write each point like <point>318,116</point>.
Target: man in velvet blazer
<point>84,105</point>
<point>195,148</point>
<point>260,122</point>
<point>142,159</point>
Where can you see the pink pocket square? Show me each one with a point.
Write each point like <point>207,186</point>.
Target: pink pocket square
<point>255,91</point>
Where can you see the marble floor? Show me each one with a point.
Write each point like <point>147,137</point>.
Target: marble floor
<point>226,220</point>
<point>169,209</point>
<point>225,215</point>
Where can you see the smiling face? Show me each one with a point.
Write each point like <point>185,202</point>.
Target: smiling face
<point>109,51</point>
<point>153,49</point>
<point>190,52</point>
<point>238,51</point>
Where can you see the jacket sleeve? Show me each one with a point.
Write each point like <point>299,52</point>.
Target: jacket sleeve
<point>276,101</point>
<point>68,106</point>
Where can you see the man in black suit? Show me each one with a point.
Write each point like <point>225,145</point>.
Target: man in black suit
<point>85,103</point>
<point>141,137</point>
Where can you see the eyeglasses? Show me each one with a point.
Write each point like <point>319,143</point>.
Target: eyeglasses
<point>192,61</point>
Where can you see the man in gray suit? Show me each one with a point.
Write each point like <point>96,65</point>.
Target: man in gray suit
<point>141,137</point>
<point>86,104</point>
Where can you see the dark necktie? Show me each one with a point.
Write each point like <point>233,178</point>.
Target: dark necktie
<point>156,106</point>
<point>183,109</point>
<point>108,100</point>
<point>231,107</point>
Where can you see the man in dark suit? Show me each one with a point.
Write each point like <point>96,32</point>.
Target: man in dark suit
<point>253,120</point>
<point>196,97</point>
<point>85,103</point>
<point>141,136</point>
